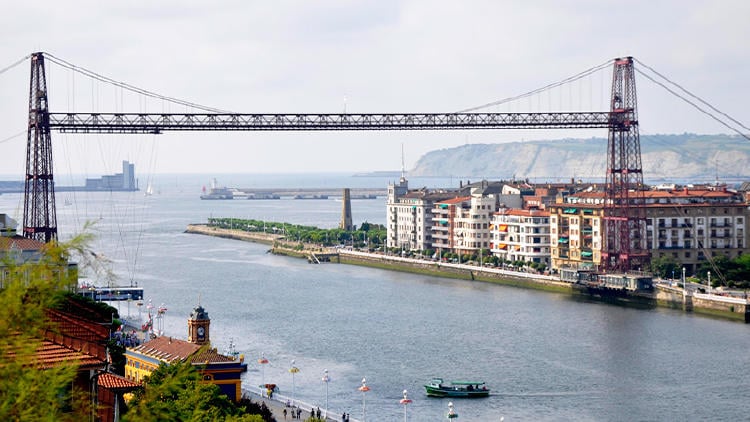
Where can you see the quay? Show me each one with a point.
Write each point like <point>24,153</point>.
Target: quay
<point>663,294</point>
<point>279,402</point>
<point>294,193</point>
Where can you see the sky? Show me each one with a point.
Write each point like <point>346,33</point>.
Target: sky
<point>371,56</point>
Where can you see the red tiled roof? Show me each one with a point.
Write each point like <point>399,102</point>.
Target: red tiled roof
<point>456,200</point>
<point>91,348</point>
<point>115,382</point>
<point>167,349</point>
<point>20,242</point>
<point>210,356</point>
<point>524,213</point>
<point>688,193</point>
<point>77,327</point>
<point>50,353</point>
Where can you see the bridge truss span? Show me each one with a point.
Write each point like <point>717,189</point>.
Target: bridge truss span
<point>134,123</point>
<point>623,245</point>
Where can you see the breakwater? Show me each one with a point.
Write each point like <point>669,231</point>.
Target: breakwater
<point>663,295</point>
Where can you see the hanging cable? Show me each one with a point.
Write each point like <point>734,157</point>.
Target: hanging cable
<point>129,87</point>
<point>575,77</point>
<point>693,95</point>
<point>696,106</point>
<point>7,68</point>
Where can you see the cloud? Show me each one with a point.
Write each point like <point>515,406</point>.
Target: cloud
<point>367,56</point>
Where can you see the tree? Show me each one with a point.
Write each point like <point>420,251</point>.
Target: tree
<point>665,266</point>
<point>175,392</point>
<point>27,390</point>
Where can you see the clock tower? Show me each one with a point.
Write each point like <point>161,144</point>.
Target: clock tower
<point>198,325</point>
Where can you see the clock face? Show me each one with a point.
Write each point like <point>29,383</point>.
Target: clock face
<point>201,331</point>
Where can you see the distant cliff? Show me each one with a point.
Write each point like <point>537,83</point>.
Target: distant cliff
<point>665,157</point>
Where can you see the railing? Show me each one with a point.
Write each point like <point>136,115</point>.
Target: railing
<point>157,123</point>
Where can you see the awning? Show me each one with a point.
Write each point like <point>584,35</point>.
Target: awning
<point>562,240</point>
<point>570,210</point>
<point>503,228</point>
<point>586,254</point>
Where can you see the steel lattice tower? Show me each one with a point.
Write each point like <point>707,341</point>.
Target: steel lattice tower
<point>624,246</point>
<point>39,215</point>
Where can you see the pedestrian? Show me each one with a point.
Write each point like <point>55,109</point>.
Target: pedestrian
<point>318,412</point>
<point>299,412</point>
<point>284,414</point>
<point>343,417</point>
<point>312,413</point>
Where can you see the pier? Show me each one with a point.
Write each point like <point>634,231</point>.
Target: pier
<point>316,193</point>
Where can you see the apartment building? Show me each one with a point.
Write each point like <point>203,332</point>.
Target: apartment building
<point>462,225</point>
<point>576,231</point>
<point>688,225</point>
<point>691,226</point>
<point>409,215</point>
<point>521,235</point>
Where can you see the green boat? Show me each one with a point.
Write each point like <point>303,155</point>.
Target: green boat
<point>468,389</point>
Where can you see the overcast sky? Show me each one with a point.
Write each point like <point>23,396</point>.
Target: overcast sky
<point>362,57</point>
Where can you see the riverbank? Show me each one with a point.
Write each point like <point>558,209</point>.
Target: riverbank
<point>663,295</point>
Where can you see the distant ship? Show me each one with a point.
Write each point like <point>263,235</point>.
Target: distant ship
<point>149,190</point>
<point>216,192</point>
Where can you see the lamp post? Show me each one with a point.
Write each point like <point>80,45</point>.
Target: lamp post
<point>451,413</point>
<point>364,388</point>
<point>293,370</point>
<point>263,362</point>
<point>326,380</point>
<point>708,283</point>
<point>684,282</point>
<point>405,401</point>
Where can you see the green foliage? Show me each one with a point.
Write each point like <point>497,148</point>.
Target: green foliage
<point>727,272</point>
<point>368,234</point>
<point>665,266</point>
<point>176,393</point>
<point>27,390</point>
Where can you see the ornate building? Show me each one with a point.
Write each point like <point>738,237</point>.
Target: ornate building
<point>216,368</point>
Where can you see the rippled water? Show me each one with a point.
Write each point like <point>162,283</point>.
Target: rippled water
<point>546,356</point>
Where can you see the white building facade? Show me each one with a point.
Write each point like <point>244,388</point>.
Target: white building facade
<point>521,235</point>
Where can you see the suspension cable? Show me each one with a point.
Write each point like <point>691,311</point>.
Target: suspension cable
<point>129,87</point>
<point>692,95</point>
<point>575,77</point>
<point>696,106</point>
<point>7,68</point>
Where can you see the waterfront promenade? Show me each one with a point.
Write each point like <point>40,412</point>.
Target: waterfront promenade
<point>663,294</point>
<point>278,404</point>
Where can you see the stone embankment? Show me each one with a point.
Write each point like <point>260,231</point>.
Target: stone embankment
<point>663,295</point>
<point>258,237</point>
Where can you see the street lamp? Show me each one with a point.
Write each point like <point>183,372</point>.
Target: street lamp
<point>405,401</point>
<point>451,414</point>
<point>326,379</point>
<point>709,283</point>
<point>293,370</point>
<point>263,362</point>
<point>684,285</point>
<point>364,388</point>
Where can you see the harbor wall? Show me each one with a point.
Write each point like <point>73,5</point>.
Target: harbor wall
<point>662,295</point>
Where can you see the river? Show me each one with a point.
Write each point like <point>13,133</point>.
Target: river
<point>546,356</point>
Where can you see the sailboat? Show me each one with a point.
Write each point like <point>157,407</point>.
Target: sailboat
<point>149,190</point>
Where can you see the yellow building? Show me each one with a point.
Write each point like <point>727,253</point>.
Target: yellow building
<point>224,371</point>
<point>576,232</point>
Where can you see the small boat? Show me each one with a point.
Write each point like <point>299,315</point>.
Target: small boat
<point>469,389</point>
